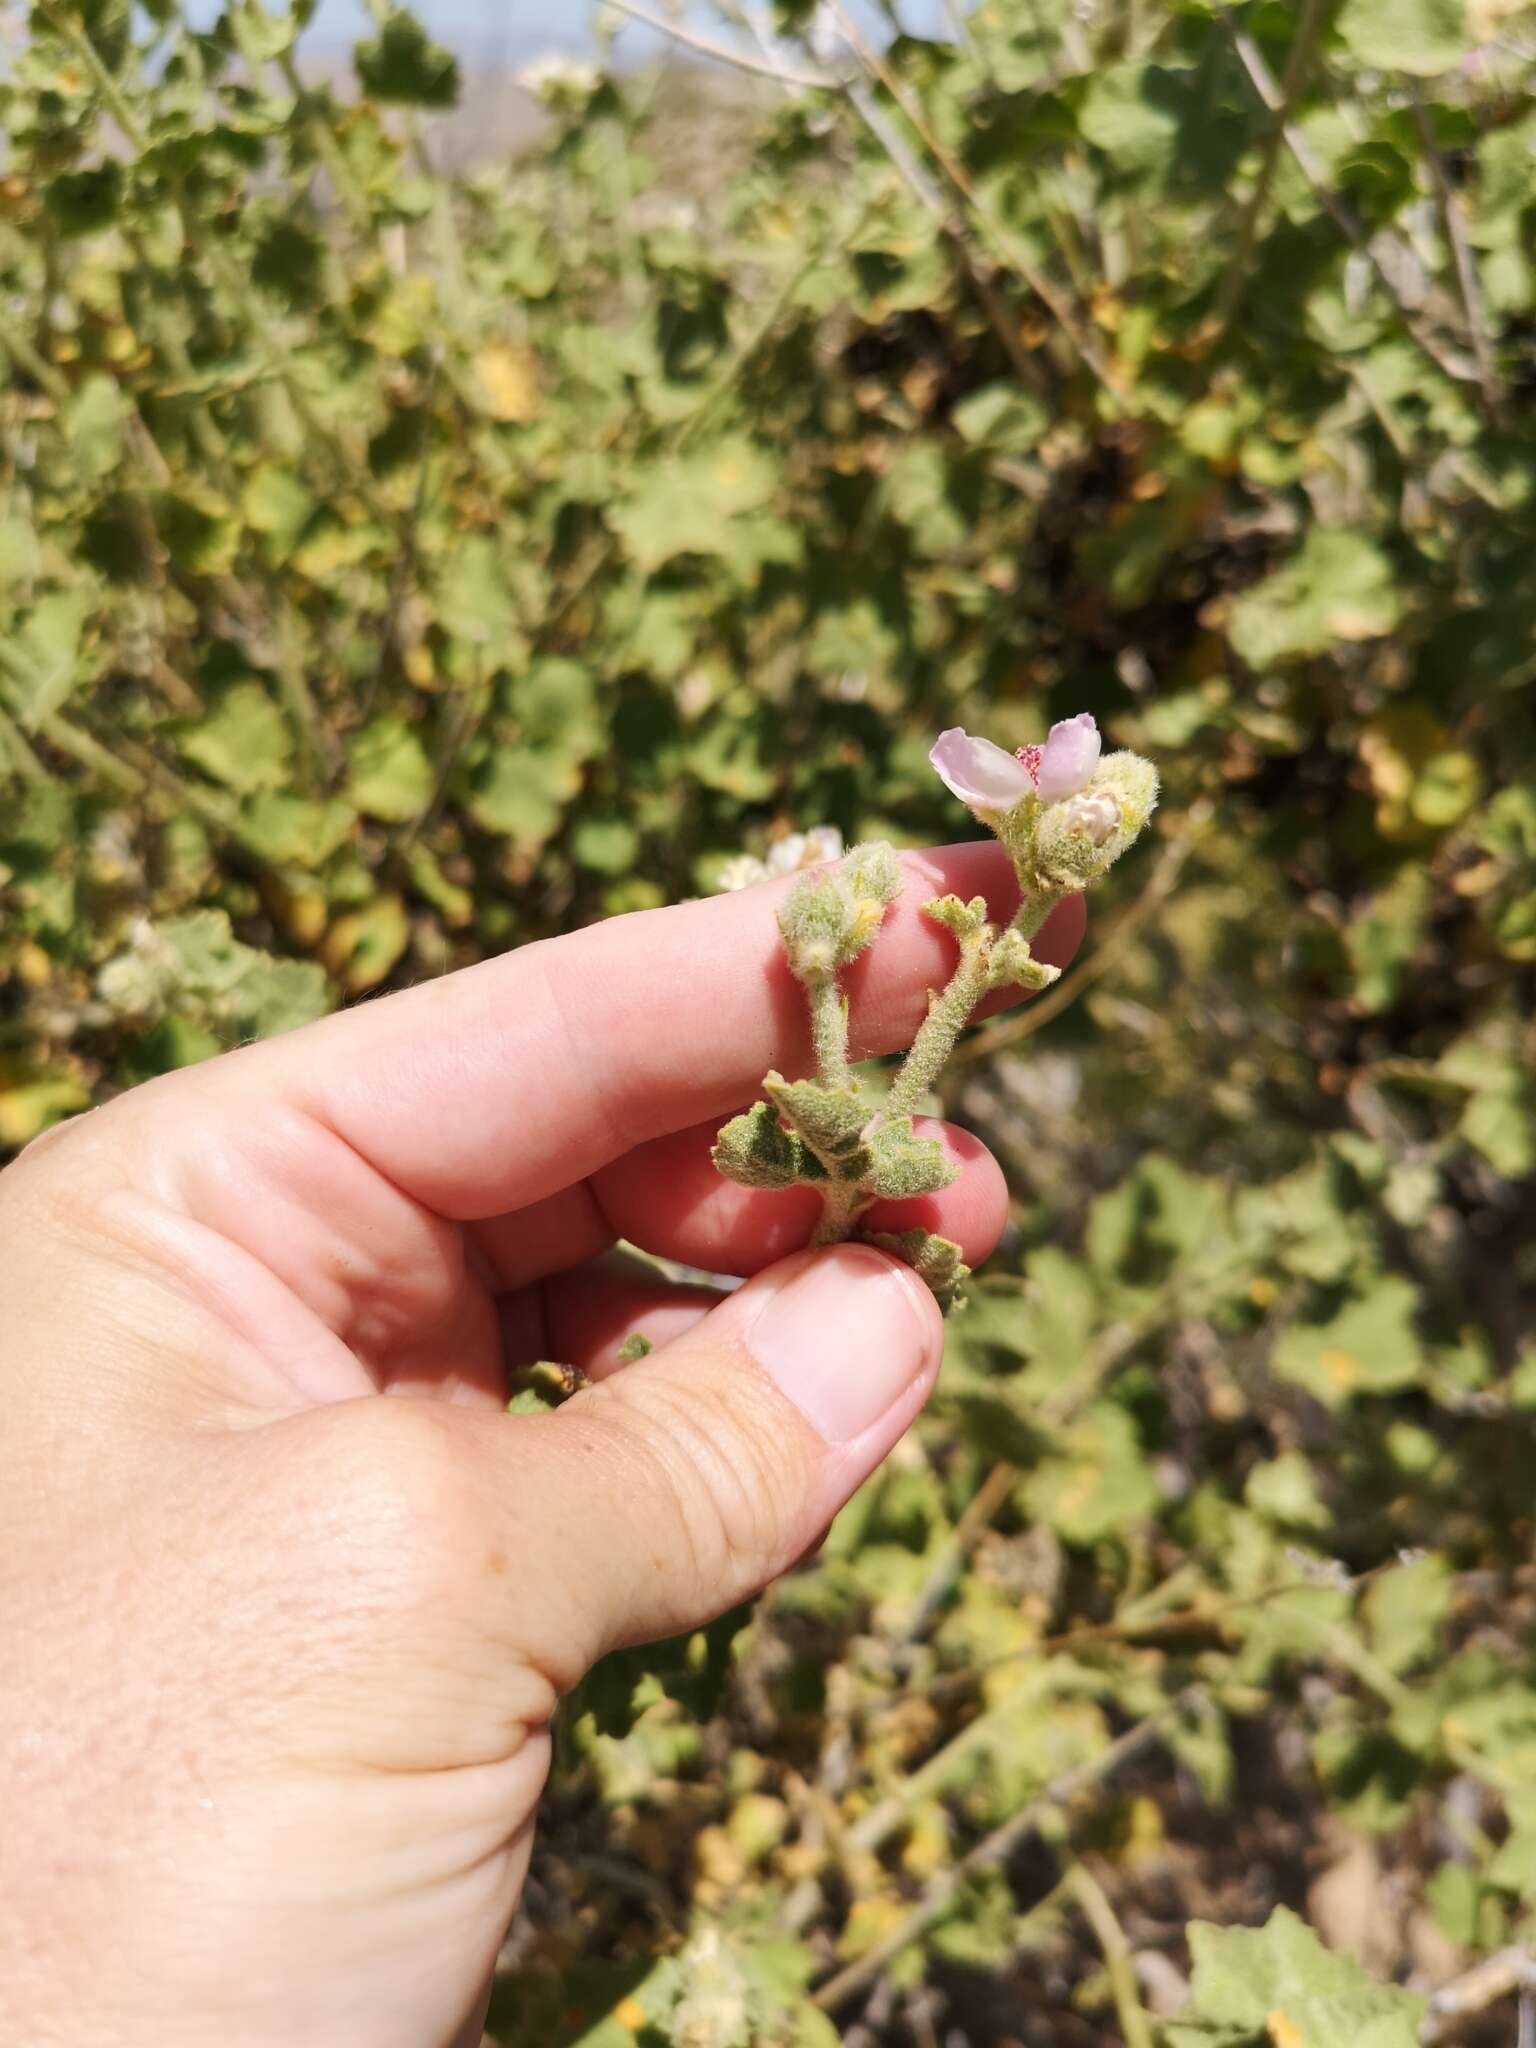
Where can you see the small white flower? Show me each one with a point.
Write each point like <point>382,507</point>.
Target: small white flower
<point>805,850</point>
<point>557,76</point>
<point>1095,814</point>
<point>740,872</point>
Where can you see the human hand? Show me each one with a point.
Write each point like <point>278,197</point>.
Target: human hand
<point>288,1600</point>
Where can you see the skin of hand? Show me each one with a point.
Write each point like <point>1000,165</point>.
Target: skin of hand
<point>287,1599</point>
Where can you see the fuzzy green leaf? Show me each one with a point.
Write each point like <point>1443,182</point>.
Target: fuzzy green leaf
<point>755,1151</point>
<point>830,1121</point>
<point>901,1164</point>
<point>934,1259</point>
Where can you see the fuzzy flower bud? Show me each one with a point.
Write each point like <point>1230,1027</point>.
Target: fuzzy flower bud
<point>831,914</point>
<point>1068,758</point>
<point>1080,840</point>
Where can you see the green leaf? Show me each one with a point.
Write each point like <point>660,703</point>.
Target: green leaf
<point>521,794</point>
<point>1422,37</point>
<point>1338,586</point>
<point>1384,938</point>
<point>756,1151</point>
<point>295,831</point>
<point>936,1261</point>
<point>277,503</point>
<point>389,775</point>
<point>96,420</point>
<point>1097,1482</point>
<point>244,742</point>
<point>607,845</point>
<point>475,601</point>
<point>1277,1987</point>
<point>830,1120</point>
<point>901,1164</point>
<point>686,504</point>
<point>87,201</point>
<point>44,655</point>
<point>1404,1608</point>
<point>1001,416</point>
<point>403,67</point>
<point>1128,113</point>
<point>1367,1346</point>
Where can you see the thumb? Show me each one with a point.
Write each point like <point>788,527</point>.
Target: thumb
<point>655,1501</point>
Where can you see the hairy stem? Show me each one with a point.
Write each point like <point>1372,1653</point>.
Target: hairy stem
<point>829,1028</point>
<point>1033,910</point>
<point>841,1205</point>
<point>947,1017</point>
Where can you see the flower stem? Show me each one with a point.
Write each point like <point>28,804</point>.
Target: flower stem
<point>829,1029</point>
<point>1034,908</point>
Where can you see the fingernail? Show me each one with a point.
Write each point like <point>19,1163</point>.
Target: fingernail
<point>846,1337</point>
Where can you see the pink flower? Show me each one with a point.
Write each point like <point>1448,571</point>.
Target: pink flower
<point>985,777</point>
<point>1069,758</point>
<point>981,774</point>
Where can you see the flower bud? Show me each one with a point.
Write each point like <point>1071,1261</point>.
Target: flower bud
<point>1081,839</point>
<point>831,914</point>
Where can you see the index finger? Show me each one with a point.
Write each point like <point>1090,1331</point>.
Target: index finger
<point>509,1081</point>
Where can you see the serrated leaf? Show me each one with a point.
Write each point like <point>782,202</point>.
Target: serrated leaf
<point>403,67</point>
<point>901,1164</point>
<point>1278,1987</point>
<point>1338,586</point>
<point>756,1151</point>
<point>830,1120</point>
<point>295,831</point>
<point>44,654</point>
<point>1367,1346</point>
<point>686,504</point>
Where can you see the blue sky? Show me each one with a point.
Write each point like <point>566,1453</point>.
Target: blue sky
<point>515,29</point>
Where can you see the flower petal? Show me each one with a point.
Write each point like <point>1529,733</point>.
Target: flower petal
<point>979,773</point>
<point>1070,757</point>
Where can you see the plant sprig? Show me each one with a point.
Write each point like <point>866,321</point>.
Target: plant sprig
<point>1064,816</point>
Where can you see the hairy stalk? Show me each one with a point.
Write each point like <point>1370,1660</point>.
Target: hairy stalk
<point>947,1017</point>
<point>949,1014</point>
<point>842,1204</point>
<point>829,1028</point>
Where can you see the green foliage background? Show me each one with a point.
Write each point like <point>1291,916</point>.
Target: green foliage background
<point>393,569</point>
